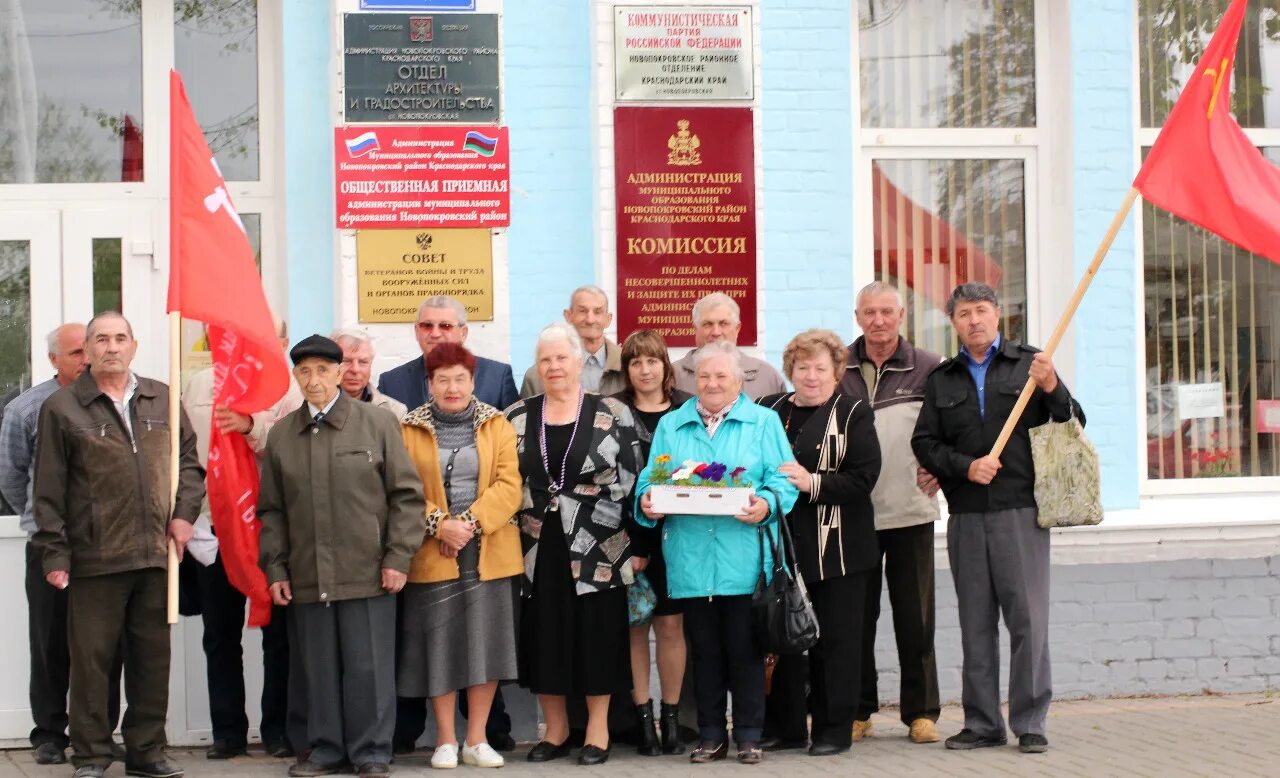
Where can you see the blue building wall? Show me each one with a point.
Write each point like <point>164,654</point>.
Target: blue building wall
<point>1102,41</point>
<point>807,207</point>
<point>308,165</point>
<point>551,242</point>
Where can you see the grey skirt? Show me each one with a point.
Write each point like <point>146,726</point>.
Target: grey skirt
<point>457,634</point>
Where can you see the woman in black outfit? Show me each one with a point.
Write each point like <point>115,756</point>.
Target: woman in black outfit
<point>579,456</point>
<point>650,393</point>
<point>833,525</point>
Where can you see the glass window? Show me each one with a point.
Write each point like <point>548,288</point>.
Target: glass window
<point>938,223</point>
<point>70,91</point>
<point>107,290</point>
<point>947,63</point>
<point>1172,35</point>
<point>15,318</point>
<point>1212,325</point>
<point>216,51</point>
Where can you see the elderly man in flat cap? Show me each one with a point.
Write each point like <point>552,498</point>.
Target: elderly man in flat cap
<point>342,516</point>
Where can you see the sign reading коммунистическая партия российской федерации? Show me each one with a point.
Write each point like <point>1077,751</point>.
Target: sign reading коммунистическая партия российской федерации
<point>668,52</point>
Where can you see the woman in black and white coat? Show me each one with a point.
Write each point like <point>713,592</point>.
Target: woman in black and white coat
<point>837,462</point>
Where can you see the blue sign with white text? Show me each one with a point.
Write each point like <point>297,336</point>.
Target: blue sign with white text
<point>417,5</point>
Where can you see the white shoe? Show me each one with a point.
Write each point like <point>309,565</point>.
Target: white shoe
<point>482,755</point>
<point>445,756</point>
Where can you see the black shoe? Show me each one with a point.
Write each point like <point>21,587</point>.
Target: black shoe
<point>280,749</point>
<point>590,756</point>
<point>307,768</point>
<point>89,771</point>
<point>51,753</point>
<point>672,743</point>
<point>780,744</point>
<point>967,739</point>
<point>709,751</point>
<point>500,741</point>
<point>160,769</point>
<point>225,749</point>
<point>1031,743</point>
<point>545,752</point>
<point>646,735</point>
<point>374,770</point>
<point>826,749</point>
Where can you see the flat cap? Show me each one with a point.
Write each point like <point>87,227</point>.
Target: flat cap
<point>316,346</point>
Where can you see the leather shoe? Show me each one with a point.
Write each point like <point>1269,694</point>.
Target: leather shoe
<point>826,749</point>
<point>780,744</point>
<point>1032,743</point>
<point>89,771</point>
<point>591,755</point>
<point>500,741</point>
<point>280,749</point>
<point>374,770</point>
<point>160,769</point>
<point>225,749</point>
<point>308,768</point>
<point>50,753</point>
<point>709,751</point>
<point>545,752</point>
<point>967,739</point>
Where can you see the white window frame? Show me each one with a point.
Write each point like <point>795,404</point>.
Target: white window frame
<point>1145,137</point>
<point>1045,151</point>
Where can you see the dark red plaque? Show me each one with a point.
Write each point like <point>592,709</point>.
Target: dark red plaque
<point>685,181</point>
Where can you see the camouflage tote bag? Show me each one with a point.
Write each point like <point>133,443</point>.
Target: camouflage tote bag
<point>1068,475</point>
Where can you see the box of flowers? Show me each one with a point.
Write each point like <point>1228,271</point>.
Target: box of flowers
<point>698,488</point>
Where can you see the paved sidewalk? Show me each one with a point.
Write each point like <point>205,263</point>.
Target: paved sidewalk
<point>1234,735</point>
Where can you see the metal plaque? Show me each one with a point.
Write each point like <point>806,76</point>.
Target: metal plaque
<point>667,52</point>
<point>420,68</point>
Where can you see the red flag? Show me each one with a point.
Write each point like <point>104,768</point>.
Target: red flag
<point>1203,168</point>
<point>213,278</point>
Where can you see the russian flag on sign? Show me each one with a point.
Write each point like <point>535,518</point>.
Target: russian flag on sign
<point>362,144</point>
<point>480,144</point>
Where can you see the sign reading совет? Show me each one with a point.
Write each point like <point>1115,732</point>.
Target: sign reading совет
<point>395,176</point>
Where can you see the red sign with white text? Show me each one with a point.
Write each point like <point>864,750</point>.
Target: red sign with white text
<point>396,176</point>
<point>685,180</point>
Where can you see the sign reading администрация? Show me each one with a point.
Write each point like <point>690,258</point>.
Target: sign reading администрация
<point>669,52</point>
<point>420,68</point>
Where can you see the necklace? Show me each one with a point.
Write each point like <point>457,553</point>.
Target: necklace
<point>564,463</point>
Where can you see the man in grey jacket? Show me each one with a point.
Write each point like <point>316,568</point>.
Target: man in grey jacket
<point>717,317</point>
<point>46,606</point>
<point>885,369</point>
<point>342,516</point>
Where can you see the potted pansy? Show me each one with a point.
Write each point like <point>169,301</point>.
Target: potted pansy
<point>698,488</point>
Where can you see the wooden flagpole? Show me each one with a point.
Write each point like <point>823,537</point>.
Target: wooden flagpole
<point>175,420</point>
<point>1116,223</point>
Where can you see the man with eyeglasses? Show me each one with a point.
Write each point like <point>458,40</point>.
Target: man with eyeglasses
<point>443,319</point>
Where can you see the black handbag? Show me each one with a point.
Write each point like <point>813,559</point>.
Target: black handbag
<point>782,616</point>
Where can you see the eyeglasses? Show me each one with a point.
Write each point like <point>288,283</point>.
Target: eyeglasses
<point>442,326</point>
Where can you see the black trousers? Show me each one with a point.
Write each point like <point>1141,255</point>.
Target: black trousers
<point>908,569</point>
<point>725,659</point>
<point>103,610</point>
<point>51,659</point>
<point>223,613</point>
<point>411,712</point>
<point>831,674</point>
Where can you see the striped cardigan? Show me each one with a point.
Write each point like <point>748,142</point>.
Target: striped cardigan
<point>833,524</point>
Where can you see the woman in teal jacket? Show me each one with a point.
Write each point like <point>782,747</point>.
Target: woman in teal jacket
<point>714,562</point>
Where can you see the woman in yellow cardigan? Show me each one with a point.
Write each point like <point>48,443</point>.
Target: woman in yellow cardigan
<point>459,627</point>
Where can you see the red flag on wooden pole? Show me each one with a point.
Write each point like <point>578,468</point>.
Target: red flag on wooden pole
<point>1203,167</point>
<point>213,278</point>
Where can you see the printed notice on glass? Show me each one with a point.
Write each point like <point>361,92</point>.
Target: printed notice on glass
<point>671,52</point>
<point>1201,401</point>
<point>397,269</point>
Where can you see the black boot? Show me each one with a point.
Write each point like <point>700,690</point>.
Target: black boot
<point>648,737</point>
<point>671,730</point>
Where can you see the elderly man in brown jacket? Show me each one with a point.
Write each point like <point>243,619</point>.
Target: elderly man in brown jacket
<point>104,517</point>
<point>342,516</point>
